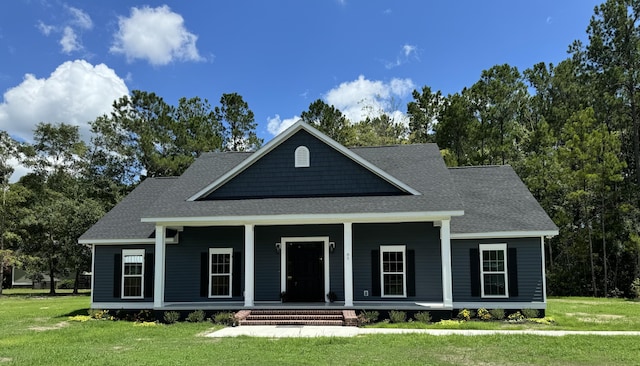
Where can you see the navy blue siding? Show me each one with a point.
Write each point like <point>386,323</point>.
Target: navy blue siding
<point>104,272</point>
<point>423,238</point>
<point>267,282</point>
<point>183,272</point>
<point>330,174</point>
<point>529,265</point>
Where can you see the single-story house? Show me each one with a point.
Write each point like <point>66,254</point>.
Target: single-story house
<point>303,217</point>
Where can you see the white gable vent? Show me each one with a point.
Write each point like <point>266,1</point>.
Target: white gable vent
<point>302,157</point>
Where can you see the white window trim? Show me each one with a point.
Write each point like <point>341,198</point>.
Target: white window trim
<point>132,252</point>
<point>302,157</point>
<point>505,272</point>
<point>394,248</point>
<point>221,251</point>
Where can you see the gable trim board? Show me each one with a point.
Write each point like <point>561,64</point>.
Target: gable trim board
<point>445,212</point>
<point>275,142</point>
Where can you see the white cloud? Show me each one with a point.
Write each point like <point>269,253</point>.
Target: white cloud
<point>75,93</point>
<point>156,35</point>
<point>407,53</point>
<point>360,99</point>
<point>364,98</point>
<point>69,41</point>
<point>80,18</point>
<point>408,50</point>
<point>275,125</point>
<point>45,28</point>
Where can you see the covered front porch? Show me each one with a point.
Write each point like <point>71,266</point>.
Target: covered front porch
<point>346,264</point>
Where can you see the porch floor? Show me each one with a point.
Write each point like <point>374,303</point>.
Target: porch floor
<point>273,305</point>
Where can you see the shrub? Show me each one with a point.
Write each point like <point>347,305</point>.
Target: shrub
<point>144,316</point>
<point>367,317</point>
<point>397,316</point>
<point>515,317</point>
<point>99,314</point>
<point>466,314</point>
<point>224,318</point>
<point>196,316</point>
<point>145,324</point>
<point>530,313</point>
<point>171,317</point>
<point>497,314</point>
<point>423,317</point>
<point>80,318</point>
<point>484,314</point>
<point>635,288</point>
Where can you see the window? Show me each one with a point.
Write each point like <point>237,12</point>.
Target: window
<point>493,270</point>
<point>220,270</point>
<point>302,157</point>
<point>132,273</point>
<point>393,273</point>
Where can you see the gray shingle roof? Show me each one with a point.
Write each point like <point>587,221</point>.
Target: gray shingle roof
<point>123,221</point>
<point>419,166</point>
<point>496,200</point>
<point>493,198</point>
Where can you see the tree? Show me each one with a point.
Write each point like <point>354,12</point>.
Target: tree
<point>456,124</point>
<point>613,54</point>
<point>423,114</point>
<point>377,131</point>
<point>329,120</point>
<point>239,123</point>
<point>8,149</point>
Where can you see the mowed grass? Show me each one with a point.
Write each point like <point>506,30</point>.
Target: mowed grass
<point>35,330</point>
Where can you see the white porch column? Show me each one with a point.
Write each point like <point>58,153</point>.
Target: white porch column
<point>445,249</point>
<point>249,264</point>
<point>348,264</point>
<point>158,278</point>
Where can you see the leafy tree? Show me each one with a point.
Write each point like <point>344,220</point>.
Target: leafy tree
<point>329,120</point>
<point>8,149</point>
<point>377,131</point>
<point>239,123</point>
<point>423,113</point>
<point>456,124</point>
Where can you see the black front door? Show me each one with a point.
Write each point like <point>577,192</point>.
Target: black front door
<point>305,271</point>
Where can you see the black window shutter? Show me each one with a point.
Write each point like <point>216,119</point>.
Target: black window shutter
<point>117,275</point>
<point>237,274</point>
<point>474,268</point>
<point>375,273</point>
<point>204,274</point>
<point>149,271</point>
<point>512,266</point>
<point>411,272</point>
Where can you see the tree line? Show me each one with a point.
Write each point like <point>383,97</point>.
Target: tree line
<point>571,131</point>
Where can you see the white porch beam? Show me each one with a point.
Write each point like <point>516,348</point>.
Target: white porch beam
<point>348,264</point>
<point>445,249</point>
<point>249,264</point>
<point>159,271</point>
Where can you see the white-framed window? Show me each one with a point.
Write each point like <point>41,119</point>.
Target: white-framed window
<point>220,272</point>
<point>132,273</point>
<point>393,271</point>
<point>493,270</point>
<point>301,157</point>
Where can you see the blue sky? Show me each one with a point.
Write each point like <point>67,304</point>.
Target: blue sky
<point>66,61</point>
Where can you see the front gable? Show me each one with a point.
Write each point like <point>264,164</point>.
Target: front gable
<point>303,165</point>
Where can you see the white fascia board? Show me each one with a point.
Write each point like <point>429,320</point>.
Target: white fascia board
<point>300,125</point>
<point>173,240</point>
<point>306,219</point>
<point>504,234</point>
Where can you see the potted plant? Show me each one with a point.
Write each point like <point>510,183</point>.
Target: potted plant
<point>332,296</point>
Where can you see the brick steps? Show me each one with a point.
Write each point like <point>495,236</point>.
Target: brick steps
<point>296,317</point>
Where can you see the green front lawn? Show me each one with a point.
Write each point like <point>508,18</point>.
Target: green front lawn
<point>36,330</point>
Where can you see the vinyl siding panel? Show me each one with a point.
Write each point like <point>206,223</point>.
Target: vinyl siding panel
<point>267,281</point>
<point>422,238</point>
<point>183,269</point>
<point>330,174</point>
<point>104,272</point>
<point>529,265</point>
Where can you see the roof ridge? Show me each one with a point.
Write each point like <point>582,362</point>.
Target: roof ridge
<point>480,166</point>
